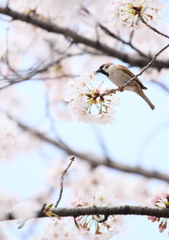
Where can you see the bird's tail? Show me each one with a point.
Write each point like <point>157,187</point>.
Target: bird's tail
<point>147,100</point>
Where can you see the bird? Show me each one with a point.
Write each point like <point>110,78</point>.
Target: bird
<point>119,75</point>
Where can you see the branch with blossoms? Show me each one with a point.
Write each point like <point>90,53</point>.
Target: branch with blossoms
<point>89,102</point>
<point>105,212</point>
<point>76,38</point>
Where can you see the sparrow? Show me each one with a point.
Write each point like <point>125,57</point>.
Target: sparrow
<point>119,75</point>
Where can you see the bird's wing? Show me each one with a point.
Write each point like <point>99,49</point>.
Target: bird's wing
<point>126,70</point>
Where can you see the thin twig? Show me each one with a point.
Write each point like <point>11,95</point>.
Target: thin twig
<point>148,65</point>
<point>7,54</point>
<point>152,28</point>
<point>9,83</point>
<point>111,34</point>
<point>62,179</point>
<point>21,76</point>
<point>7,3</point>
<point>139,74</point>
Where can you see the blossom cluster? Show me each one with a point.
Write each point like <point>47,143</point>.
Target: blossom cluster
<point>159,201</point>
<point>126,12</point>
<point>90,226</point>
<point>86,100</point>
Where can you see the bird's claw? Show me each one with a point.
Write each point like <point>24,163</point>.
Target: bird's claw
<point>121,88</point>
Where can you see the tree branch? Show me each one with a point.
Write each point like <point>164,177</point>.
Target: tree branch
<point>122,210</point>
<point>92,159</point>
<point>107,211</point>
<point>121,88</point>
<point>76,38</point>
<point>61,181</point>
<point>152,28</point>
<point>111,34</point>
<point>108,32</point>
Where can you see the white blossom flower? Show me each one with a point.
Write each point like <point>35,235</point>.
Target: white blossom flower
<point>89,226</point>
<point>86,102</point>
<point>126,12</point>
<point>160,201</point>
<point>103,196</point>
<point>115,223</point>
<point>79,200</point>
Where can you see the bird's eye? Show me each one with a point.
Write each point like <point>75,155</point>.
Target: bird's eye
<point>106,66</point>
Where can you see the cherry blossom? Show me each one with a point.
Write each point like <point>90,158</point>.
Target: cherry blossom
<point>105,230</point>
<point>159,201</point>
<point>86,103</point>
<point>79,200</point>
<point>126,12</point>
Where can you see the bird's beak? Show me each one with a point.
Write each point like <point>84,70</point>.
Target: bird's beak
<point>98,71</point>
